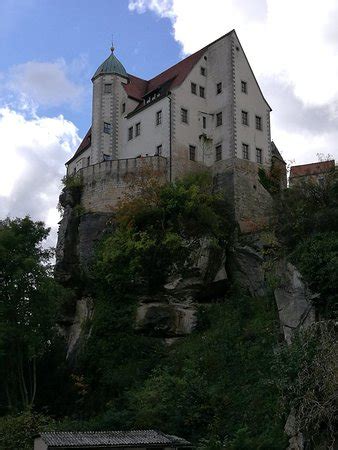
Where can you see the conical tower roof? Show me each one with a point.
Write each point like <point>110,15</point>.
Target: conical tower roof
<point>111,65</point>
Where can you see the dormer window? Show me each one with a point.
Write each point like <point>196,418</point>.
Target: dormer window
<point>108,88</point>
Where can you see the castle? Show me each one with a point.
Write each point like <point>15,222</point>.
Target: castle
<point>207,112</point>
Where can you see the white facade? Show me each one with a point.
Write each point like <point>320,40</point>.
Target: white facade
<point>214,128</point>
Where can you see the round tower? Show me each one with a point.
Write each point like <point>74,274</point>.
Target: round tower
<point>105,108</point>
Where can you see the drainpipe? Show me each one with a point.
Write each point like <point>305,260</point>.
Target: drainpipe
<point>170,136</point>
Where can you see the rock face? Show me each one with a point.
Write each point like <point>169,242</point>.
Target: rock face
<point>72,327</point>
<point>172,313</point>
<point>293,300</point>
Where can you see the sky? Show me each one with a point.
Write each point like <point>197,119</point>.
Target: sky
<point>50,49</point>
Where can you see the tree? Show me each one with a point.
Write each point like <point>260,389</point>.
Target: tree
<point>28,308</point>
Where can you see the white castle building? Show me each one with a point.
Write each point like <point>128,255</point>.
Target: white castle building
<point>207,111</point>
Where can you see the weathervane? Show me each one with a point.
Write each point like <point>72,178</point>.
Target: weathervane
<point>112,43</point>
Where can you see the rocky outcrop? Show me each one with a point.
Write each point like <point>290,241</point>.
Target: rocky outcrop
<point>293,299</point>
<point>172,312</point>
<point>72,327</point>
<point>248,269</point>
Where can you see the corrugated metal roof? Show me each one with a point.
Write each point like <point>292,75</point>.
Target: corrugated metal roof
<point>111,439</point>
<point>312,169</point>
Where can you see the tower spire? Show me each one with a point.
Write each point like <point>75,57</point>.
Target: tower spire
<point>112,48</point>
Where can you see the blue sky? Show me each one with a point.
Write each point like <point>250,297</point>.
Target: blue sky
<point>80,33</point>
<point>50,49</point>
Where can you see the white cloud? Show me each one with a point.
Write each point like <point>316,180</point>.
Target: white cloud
<point>44,83</point>
<point>33,152</point>
<point>293,43</point>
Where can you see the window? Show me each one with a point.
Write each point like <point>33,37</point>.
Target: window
<point>202,92</point>
<point>258,123</point>
<point>203,71</point>
<point>107,127</point>
<point>192,153</point>
<point>218,88</point>
<point>219,119</point>
<point>107,88</point>
<point>204,122</point>
<point>130,133</point>
<point>245,150</point>
<point>123,108</point>
<point>138,129</point>
<point>158,150</point>
<point>259,155</point>
<point>245,118</point>
<point>218,152</point>
<point>184,115</point>
<point>194,88</point>
<point>244,87</point>
<point>88,160</point>
<point>159,117</point>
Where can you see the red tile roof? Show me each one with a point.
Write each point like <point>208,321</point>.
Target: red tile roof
<point>136,87</point>
<point>174,76</point>
<point>83,146</point>
<point>311,169</point>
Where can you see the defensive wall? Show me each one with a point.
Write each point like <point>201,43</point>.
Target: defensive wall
<point>105,183</point>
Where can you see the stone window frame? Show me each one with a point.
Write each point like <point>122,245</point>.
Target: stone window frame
<point>158,119</point>
<point>107,88</point>
<point>245,151</point>
<point>259,123</point>
<point>107,127</point>
<point>184,116</point>
<point>219,119</point>
<point>259,155</point>
<point>130,133</point>
<point>192,152</point>
<point>218,152</point>
<point>245,118</point>
<point>244,87</point>
<point>193,88</point>
<point>137,129</point>
<point>219,88</point>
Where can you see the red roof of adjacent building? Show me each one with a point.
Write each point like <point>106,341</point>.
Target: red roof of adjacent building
<point>312,169</point>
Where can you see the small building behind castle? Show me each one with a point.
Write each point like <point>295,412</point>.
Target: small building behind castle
<point>207,112</point>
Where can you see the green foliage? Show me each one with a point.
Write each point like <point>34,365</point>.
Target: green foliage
<point>217,381</point>
<point>317,259</point>
<point>158,229</point>
<point>17,432</point>
<point>306,376</point>
<point>307,209</point>
<point>271,181</point>
<point>28,309</point>
<point>307,217</point>
<point>73,182</point>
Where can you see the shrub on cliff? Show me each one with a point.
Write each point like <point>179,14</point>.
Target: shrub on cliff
<point>157,228</point>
